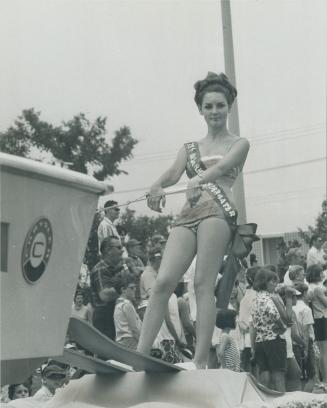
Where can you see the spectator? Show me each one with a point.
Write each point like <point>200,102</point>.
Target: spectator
<point>127,321</point>
<point>79,309</point>
<point>104,294</point>
<point>17,391</point>
<point>253,260</point>
<point>106,227</point>
<point>305,357</point>
<point>124,238</point>
<point>245,319</point>
<point>227,349</point>
<point>184,314</point>
<point>171,336</point>
<point>294,257</point>
<point>318,297</point>
<point>158,240</point>
<point>135,252</point>
<point>316,254</point>
<point>150,272</point>
<point>54,376</point>
<point>285,299</point>
<point>296,274</point>
<point>269,349</point>
<point>83,285</point>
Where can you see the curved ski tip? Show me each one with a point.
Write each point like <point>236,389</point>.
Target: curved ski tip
<point>189,365</point>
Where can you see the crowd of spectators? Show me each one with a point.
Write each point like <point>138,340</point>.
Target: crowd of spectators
<point>275,326</point>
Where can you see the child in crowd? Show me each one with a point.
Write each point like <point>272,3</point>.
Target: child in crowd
<point>17,391</point>
<point>127,321</point>
<point>306,356</point>
<point>284,299</point>
<point>54,376</point>
<point>227,350</point>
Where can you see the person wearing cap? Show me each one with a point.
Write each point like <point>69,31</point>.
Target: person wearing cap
<point>294,257</point>
<point>54,376</point>
<point>150,272</point>
<point>106,227</point>
<point>306,356</point>
<point>134,250</point>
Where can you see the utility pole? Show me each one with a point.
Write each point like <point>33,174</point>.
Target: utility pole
<point>234,126</point>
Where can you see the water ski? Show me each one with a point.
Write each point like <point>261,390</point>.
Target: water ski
<point>94,341</point>
<point>90,364</point>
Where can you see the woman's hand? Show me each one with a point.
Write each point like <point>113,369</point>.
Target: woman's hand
<point>193,192</point>
<point>155,197</point>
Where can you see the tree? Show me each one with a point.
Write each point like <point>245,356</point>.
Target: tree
<point>320,227</point>
<point>78,142</point>
<point>143,227</point>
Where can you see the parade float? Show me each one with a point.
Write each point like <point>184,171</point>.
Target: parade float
<point>46,216</point>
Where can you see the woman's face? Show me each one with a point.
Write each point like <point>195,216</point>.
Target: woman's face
<point>79,300</point>
<point>21,392</point>
<point>214,109</point>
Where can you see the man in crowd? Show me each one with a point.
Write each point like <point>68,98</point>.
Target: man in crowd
<point>294,257</point>
<point>135,253</point>
<point>106,227</point>
<point>316,253</point>
<point>103,293</point>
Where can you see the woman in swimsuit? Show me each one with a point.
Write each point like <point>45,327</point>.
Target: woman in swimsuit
<point>201,229</point>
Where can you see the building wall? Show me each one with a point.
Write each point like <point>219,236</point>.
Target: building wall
<point>266,249</point>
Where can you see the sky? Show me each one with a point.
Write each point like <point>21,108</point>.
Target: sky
<point>135,62</point>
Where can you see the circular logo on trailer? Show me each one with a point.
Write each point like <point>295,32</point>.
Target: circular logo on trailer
<point>37,250</point>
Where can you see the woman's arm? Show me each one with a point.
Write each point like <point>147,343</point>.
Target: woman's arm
<point>234,158</point>
<point>169,178</point>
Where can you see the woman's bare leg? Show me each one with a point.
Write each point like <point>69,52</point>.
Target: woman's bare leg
<point>212,240</point>
<point>178,255</point>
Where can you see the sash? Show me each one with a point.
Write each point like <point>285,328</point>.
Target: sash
<point>242,235</point>
<point>216,192</point>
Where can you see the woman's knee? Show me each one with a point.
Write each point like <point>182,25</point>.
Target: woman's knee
<point>203,289</point>
<point>163,287</point>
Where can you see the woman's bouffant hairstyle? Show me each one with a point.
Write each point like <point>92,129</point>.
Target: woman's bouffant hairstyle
<point>250,274</point>
<point>214,83</point>
<point>226,319</point>
<point>262,277</point>
<point>314,273</point>
<point>295,271</point>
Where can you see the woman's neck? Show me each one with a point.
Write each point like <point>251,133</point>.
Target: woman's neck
<point>217,133</point>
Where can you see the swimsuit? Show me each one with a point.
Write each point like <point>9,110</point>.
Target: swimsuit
<point>191,216</point>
